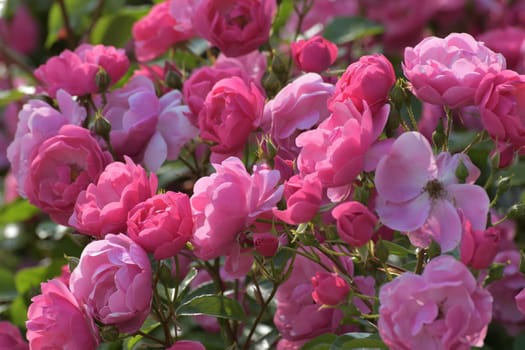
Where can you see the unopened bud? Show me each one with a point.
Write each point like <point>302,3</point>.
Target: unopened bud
<point>271,84</point>
<point>103,80</point>
<point>278,65</point>
<point>72,262</point>
<point>462,172</point>
<point>109,333</point>
<point>399,95</point>
<point>165,275</point>
<point>516,211</point>
<point>503,183</point>
<point>173,79</point>
<point>265,244</point>
<point>102,127</point>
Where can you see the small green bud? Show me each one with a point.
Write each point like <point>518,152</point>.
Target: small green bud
<point>278,65</point>
<point>438,138</point>
<point>516,211</point>
<point>394,120</point>
<point>72,262</point>
<point>503,183</point>
<point>173,79</point>
<point>102,127</point>
<point>109,333</point>
<point>103,80</point>
<point>400,95</point>
<point>165,275</point>
<point>462,172</point>
<point>271,83</point>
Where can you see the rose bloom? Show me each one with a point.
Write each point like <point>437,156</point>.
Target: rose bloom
<point>56,320</point>
<point>444,308</point>
<point>355,223</point>
<point>369,79</point>
<point>479,247</point>
<point>10,337</point>
<point>21,31</point>
<point>448,71</point>
<point>155,33</point>
<point>507,41</point>
<point>231,111</point>
<point>162,224</point>
<point>37,122</point>
<point>314,55</point>
<point>104,206</point>
<point>227,202</point>
<point>235,27</point>
<point>299,106</point>
<point>113,279</point>
<point>84,63</point>
<point>329,288</point>
<point>187,345</point>
<point>62,167</point>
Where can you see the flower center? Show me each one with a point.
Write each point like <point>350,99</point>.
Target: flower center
<point>434,189</point>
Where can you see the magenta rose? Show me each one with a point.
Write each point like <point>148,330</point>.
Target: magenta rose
<point>56,320</point>
<point>162,224</point>
<point>444,308</point>
<point>155,33</point>
<point>235,27</point>
<point>62,167</point>
<point>265,244</point>
<point>104,206</point>
<point>227,202</point>
<point>21,31</point>
<point>231,111</point>
<point>355,223</point>
<point>479,247</point>
<point>187,345</point>
<point>10,337</point>
<point>314,55</point>
<point>38,121</point>
<point>369,79</point>
<point>83,64</point>
<point>329,288</point>
<point>113,279</point>
<point>447,71</point>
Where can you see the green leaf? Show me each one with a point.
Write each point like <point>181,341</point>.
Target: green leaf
<point>322,342</point>
<point>398,250</point>
<point>7,286</point>
<point>17,211</point>
<point>8,96</point>
<point>149,326</point>
<point>18,311</point>
<point>358,340</point>
<point>31,277</point>
<point>212,305</point>
<point>78,14</point>
<point>115,29</point>
<point>343,30</point>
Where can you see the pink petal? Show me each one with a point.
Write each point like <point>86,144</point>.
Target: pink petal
<point>402,174</point>
<point>473,201</point>
<point>406,216</point>
<point>444,225</point>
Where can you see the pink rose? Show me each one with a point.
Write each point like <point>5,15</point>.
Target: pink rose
<point>21,31</point>
<point>113,279</point>
<point>144,127</point>
<point>303,199</point>
<point>265,244</point>
<point>227,202</point>
<point>162,224</point>
<point>56,320</point>
<point>299,106</point>
<point>10,337</point>
<point>104,206</point>
<point>329,288</point>
<point>155,33</point>
<point>479,247</point>
<point>355,223</point>
<point>369,79</point>
<point>236,27</point>
<point>444,308</point>
<point>314,55</point>
<point>507,41</point>
<point>187,345</point>
<point>231,111</point>
<point>83,64</point>
<point>37,122</point>
<point>448,71</point>
<point>62,167</point>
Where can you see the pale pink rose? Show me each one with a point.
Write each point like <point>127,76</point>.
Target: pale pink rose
<point>235,27</point>
<point>155,33</point>
<point>299,106</point>
<point>329,288</point>
<point>447,71</point>
<point>479,247</point>
<point>355,223</point>
<point>231,111</point>
<point>367,80</point>
<point>227,202</point>
<point>162,224</point>
<point>444,308</point>
<point>56,320</point>
<point>10,337</point>
<point>500,98</point>
<point>505,290</point>
<point>144,127</point>
<point>314,55</point>
<point>37,122</point>
<point>62,167</point>
<point>83,64</point>
<point>187,345</point>
<point>337,149</point>
<point>507,41</point>
<point>114,280</point>
<point>303,199</point>
<point>21,31</point>
<point>104,206</point>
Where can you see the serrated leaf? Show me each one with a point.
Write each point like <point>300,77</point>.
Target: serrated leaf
<point>212,305</point>
<point>358,340</point>
<point>343,30</point>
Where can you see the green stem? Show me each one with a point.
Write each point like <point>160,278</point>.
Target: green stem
<point>420,261</point>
